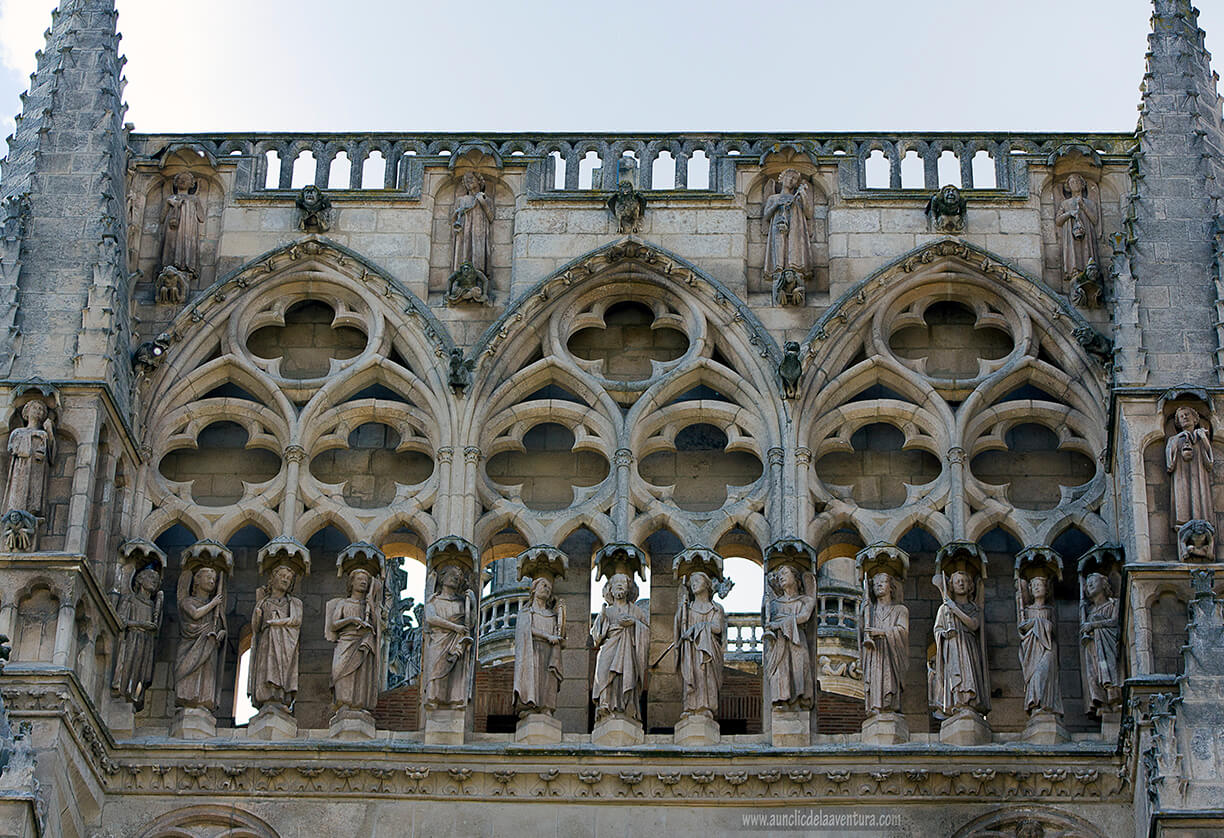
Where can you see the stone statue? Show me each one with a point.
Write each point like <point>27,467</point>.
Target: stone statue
<point>352,623</point>
<point>467,285</point>
<point>790,370</point>
<point>201,605</point>
<point>149,355</point>
<point>1099,634</point>
<point>1196,541</point>
<point>140,619</point>
<point>885,653</point>
<point>627,206</point>
<point>1079,228</point>
<point>539,637</point>
<point>1038,646</point>
<point>448,658</point>
<point>276,627</point>
<point>621,634</point>
<point>947,210</point>
<point>472,225</point>
<point>701,637</point>
<point>1189,458</point>
<point>959,682</point>
<point>790,632</point>
<point>20,531</point>
<point>31,451</point>
<point>460,376</point>
<point>786,216</point>
<point>182,220</point>
<point>314,210</point>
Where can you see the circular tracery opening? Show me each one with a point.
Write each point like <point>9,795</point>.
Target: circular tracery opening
<point>627,343</point>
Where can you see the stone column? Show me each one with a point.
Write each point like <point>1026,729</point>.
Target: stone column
<point>446,714</point>
<point>65,626</point>
<point>274,719</point>
<point>790,657</point>
<point>956,495</point>
<point>623,459</point>
<point>294,455</point>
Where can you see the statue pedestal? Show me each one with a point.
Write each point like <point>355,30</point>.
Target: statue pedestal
<point>696,730</point>
<point>444,727</point>
<point>193,723</point>
<point>351,724</point>
<point>1045,728</point>
<point>966,728</point>
<point>272,721</point>
<point>120,717</point>
<point>538,729</point>
<point>790,728</point>
<point>885,729</point>
<point>617,731</point>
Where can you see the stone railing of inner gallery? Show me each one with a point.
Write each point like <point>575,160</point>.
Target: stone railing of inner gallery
<point>384,165</point>
<point>495,632</point>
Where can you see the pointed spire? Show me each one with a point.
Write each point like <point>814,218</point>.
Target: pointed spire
<point>1177,182</point>
<point>68,156</point>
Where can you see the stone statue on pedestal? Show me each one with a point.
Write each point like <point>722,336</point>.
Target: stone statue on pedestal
<point>621,633</point>
<point>539,637</point>
<point>1038,646</point>
<point>352,623</point>
<point>276,626</point>
<point>182,220</point>
<point>790,635</point>
<point>448,657</point>
<point>31,451</point>
<point>201,606</point>
<point>140,619</point>
<point>786,217</point>
<point>885,652</point>
<point>1099,635</point>
<point>1189,458</point>
<point>701,637</point>
<point>959,682</point>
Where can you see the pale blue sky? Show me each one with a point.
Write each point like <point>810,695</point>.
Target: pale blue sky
<point>636,65</point>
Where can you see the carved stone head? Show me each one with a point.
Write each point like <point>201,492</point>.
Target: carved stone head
<point>34,412</point>
<point>790,180</point>
<point>148,580</point>
<point>473,182</point>
<point>1096,583</point>
<point>1186,419</point>
<point>1196,541</point>
<point>358,583</point>
<point>184,183</point>
<point>1074,186</point>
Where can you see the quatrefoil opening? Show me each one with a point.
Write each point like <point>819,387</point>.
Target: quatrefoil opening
<point>877,471</point>
<point>545,469</point>
<point>222,468</point>
<point>311,343</point>
<point>949,340</point>
<point>371,469</point>
<point>700,467</point>
<point>1034,467</point>
<point>630,342</point>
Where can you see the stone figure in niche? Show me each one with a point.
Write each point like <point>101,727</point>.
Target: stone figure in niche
<point>539,637</point>
<point>20,531</point>
<point>1038,646</point>
<point>201,606</point>
<point>276,626</point>
<point>173,286</point>
<point>182,220</point>
<point>790,635</point>
<point>701,637</point>
<point>790,370</point>
<point>959,682</point>
<point>1078,221</point>
<point>1189,458</point>
<point>460,376</point>
<point>140,619</point>
<point>352,623</point>
<point>472,226</point>
<point>885,652</point>
<point>1196,541</point>
<point>621,634</point>
<point>448,658</point>
<point>1099,635</point>
<point>467,285</point>
<point>314,210</point>
<point>627,206</point>
<point>31,451</point>
<point>786,216</point>
<point>947,210</point>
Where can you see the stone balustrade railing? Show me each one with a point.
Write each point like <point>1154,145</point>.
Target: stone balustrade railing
<point>559,164</point>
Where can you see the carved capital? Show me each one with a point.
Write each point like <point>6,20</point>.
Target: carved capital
<point>623,457</point>
<point>294,453</point>
<point>471,455</point>
<point>445,455</point>
<point>776,456</point>
<point>956,455</point>
<point>803,456</point>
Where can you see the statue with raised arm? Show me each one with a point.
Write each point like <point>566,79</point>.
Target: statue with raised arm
<point>1189,460</point>
<point>701,636</point>
<point>31,451</point>
<point>182,220</point>
<point>447,665</point>
<point>885,652</point>
<point>201,606</point>
<point>140,619</point>
<point>621,634</point>
<point>959,682</point>
<point>276,627</point>
<point>789,627</point>
<point>352,622</point>
<point>539,637</point>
